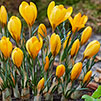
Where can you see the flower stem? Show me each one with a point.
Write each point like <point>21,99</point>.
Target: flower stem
<point>3,31</point>
<point>30,31</point>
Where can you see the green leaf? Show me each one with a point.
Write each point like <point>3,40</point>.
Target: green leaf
<point>97,93</point>
<point>87,98</point>
<point>34,31</point>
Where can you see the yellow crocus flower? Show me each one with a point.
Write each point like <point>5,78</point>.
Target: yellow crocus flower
<point>42,30</point>
<point>65,43</point>
<point>14,27</point>
<point>75,47</point>
<point>46,64</point>
<point>41,84</point>
<point>57,14</point>
<point>17,56</point>
<point>92,49</point>
<point>28,12</point>
<point>87,77</point>
<point>3,15</point>
<point>86,35</point>
<point>55,44</point>
<point>78,22</point>
<point>60,70</point>
<point>33,46</point>
<point>5,46</point>
<point>76,70</point>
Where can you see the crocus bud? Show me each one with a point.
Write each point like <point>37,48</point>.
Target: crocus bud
<point>41,84</point>
<point>16,53</point>
<point>67,38</point>
<point>28,12</point>
<point>86,35</point>
<point>78,22</point>
<point>3,15</point>
<point>46,64</point>
<point>5,46</point>
<point>33,46</point>
<point>60,70</point>
<point>92,49</point>
<point>87,77</point>
<point>76,70</point>
<point>57,14</point>
<point>75,47</point>
<point>14,27</point>
<point>42,31</point>
<point>55,44</point>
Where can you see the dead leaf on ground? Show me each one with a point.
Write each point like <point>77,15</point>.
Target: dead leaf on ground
<point>92,85</point>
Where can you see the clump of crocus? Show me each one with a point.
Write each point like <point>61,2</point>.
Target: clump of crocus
<point>76,70</point>
<point>17,56</point>
<point>87,77</point>
<point>46,64</point>
<point>28,12</point>
<point>14,27</point>
<point>3,16</point>
<point>40,84</point>
<point>57,14</point>
<point>5,46</point>
<point>55,44</point>
<point>86,34</point>
<point>33,46</point>
<point>92,49</point>
<point>75,47</point>
<point>67,38</point>
<point>78,22</point>
<point>60,70</point>
<point>42,31</point>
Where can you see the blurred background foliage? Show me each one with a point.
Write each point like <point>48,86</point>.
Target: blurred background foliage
<point>92,8</point>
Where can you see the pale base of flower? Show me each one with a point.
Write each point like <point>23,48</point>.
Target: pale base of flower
<point>77,93</point>
<point>63,98</point>
<point>6,95</point>
<point>48,97</point>
<point>37,98</point>
<point>16,92</point>
<point>25,93</point>
<point>68,87</point>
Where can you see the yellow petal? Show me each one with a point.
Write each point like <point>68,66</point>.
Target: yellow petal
<point>55,44</point>
<point>28,12</point>
<point>84,19</point>
<point>42,30</point>
<point>33,46</point>
<point>60,70</point>
<point>92,49</point>
<point>75,47</point>
<point>5,46</point>
<point>87,77</point>
<point>86,35</point>
<point>46,64</point>
<point>50,7</point>
<point>77,19</point>
<point>14,27</point>
<point>41,84</point>
<point>3,15</point>
<point>68,13</point>
<point>17,56</point>
<point>76,70</point>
